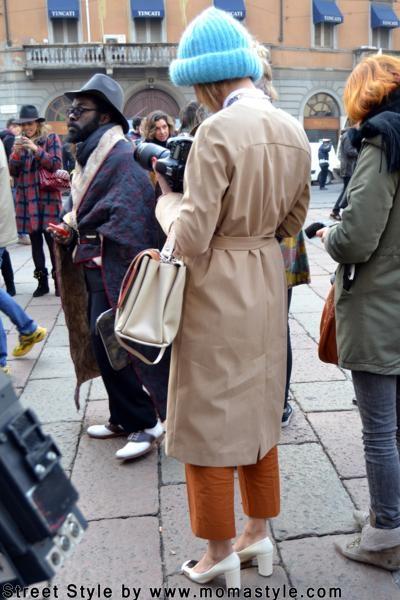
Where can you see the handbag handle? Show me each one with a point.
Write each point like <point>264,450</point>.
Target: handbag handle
<point>132,270</point>
<point>140,355</point>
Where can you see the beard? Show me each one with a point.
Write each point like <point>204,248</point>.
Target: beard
<point>78,134</point>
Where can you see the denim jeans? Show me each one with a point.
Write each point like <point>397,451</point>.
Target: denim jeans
<point>17,315</point>
<point>378,398</point>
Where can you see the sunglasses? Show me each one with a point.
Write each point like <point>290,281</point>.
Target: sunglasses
<point>77,111</point>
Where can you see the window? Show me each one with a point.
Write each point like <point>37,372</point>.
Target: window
<point>381,37</point>
<point>147,31</point>
<point>57,109</point>
<point>65,31</point>
<point>324,35</point>
<point>321,105</point>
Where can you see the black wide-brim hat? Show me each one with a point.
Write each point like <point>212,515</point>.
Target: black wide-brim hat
<point>107,89</point>
<point>27,114</point>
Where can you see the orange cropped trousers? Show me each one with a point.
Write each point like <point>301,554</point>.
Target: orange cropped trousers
<point>211,495</point>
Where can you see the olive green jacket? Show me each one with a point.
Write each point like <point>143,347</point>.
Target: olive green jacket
<point>368,237</point>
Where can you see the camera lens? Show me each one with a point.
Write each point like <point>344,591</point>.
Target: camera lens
<point>145,152</point>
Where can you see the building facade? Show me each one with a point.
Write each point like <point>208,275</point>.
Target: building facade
<point>51,46</point>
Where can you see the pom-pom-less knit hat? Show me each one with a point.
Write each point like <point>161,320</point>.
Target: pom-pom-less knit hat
<point>215,47</point>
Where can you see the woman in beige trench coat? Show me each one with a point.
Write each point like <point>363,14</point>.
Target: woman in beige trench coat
<point>246,181</point>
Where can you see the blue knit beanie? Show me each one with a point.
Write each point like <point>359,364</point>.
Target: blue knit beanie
<point>215,47</point>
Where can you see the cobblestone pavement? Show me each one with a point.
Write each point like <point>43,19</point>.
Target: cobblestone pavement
<point>139,531</point>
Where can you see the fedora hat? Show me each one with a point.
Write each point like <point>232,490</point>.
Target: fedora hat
<point>108,90</point>
<point>27,114</point>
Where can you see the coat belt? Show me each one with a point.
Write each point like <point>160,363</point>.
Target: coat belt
<point>224,242</point>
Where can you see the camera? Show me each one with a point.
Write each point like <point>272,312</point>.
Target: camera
<point>171,161</point>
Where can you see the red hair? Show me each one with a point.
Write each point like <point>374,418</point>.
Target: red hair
<point>373,79</point>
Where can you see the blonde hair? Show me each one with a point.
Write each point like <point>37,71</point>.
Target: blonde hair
<point>265,83</point>
<point>372,80</point>
<point>42,131</point>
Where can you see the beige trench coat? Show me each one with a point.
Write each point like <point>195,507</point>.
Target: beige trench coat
<point>247,178</point>
<point>8,227</point>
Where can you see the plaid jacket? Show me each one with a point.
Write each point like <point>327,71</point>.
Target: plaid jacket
<point>36,208</point>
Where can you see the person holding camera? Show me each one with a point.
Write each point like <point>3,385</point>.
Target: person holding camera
<point>112,219</point>
<point>36,207</point>
<point>158,127</point>
<point>228,367</point>
<point>366,244</point>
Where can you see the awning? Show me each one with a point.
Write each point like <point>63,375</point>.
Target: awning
<point>63,9</point>
<point>326,11</point>
<point>236,8</point>
<point>383,15</point>
<point>147,9</point>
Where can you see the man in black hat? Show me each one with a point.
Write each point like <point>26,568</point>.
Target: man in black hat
<point>112,219</point>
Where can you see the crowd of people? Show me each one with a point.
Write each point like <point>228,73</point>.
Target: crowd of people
<point>223,392</point>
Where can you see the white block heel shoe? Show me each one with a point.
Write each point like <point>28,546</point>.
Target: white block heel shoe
<point>263,551</point>
<point>229,567</point>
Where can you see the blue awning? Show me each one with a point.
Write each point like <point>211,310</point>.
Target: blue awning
<point>63,9</point>
<point>147,9</point>
<point>326,11</point>
<point>383,15</point>
<point>236,8</point>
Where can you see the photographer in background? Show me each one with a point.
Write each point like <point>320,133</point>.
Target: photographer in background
<point>158,127</point>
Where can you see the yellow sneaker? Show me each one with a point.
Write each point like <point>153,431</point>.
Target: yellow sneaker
<point>6,369</point>
<point>26,342</point>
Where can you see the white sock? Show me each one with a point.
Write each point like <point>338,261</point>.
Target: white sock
<point>154,430</point>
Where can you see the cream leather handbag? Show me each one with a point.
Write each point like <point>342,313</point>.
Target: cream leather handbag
<point>150,301</point>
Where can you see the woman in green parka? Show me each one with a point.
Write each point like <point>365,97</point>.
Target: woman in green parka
<point>366,244</point>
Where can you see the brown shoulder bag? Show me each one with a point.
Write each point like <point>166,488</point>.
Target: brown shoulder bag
<point>327,348</point>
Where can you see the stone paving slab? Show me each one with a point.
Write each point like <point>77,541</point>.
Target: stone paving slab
<point>306,303</point>
<point>58,336</point>
<point>53,399</point>
<point>54,363</point>
<point>299,430</point>
<point>112,553</point>
<point>110,488</point>
<point>358,490</point>
<point>313,500</point>
<point>21,370</point>
<point>178,541</point>
<point>66,436</point>
<point>172,471</point>
<point>302,342</point>
<point>324,395</point>
<point>251,582</point>
<point>295,328</point>
<point>61,319</point>
<point>340,434</point>
<point>316,270</point>
<point>314,562</point>
<point>310,321</point>
<point>97,390</point>
<point>46,300</point>
<point>308,367</point>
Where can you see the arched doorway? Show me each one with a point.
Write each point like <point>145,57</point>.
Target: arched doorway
<point>144,102</point>
<point>322,118</point>
<point>56,114</point>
